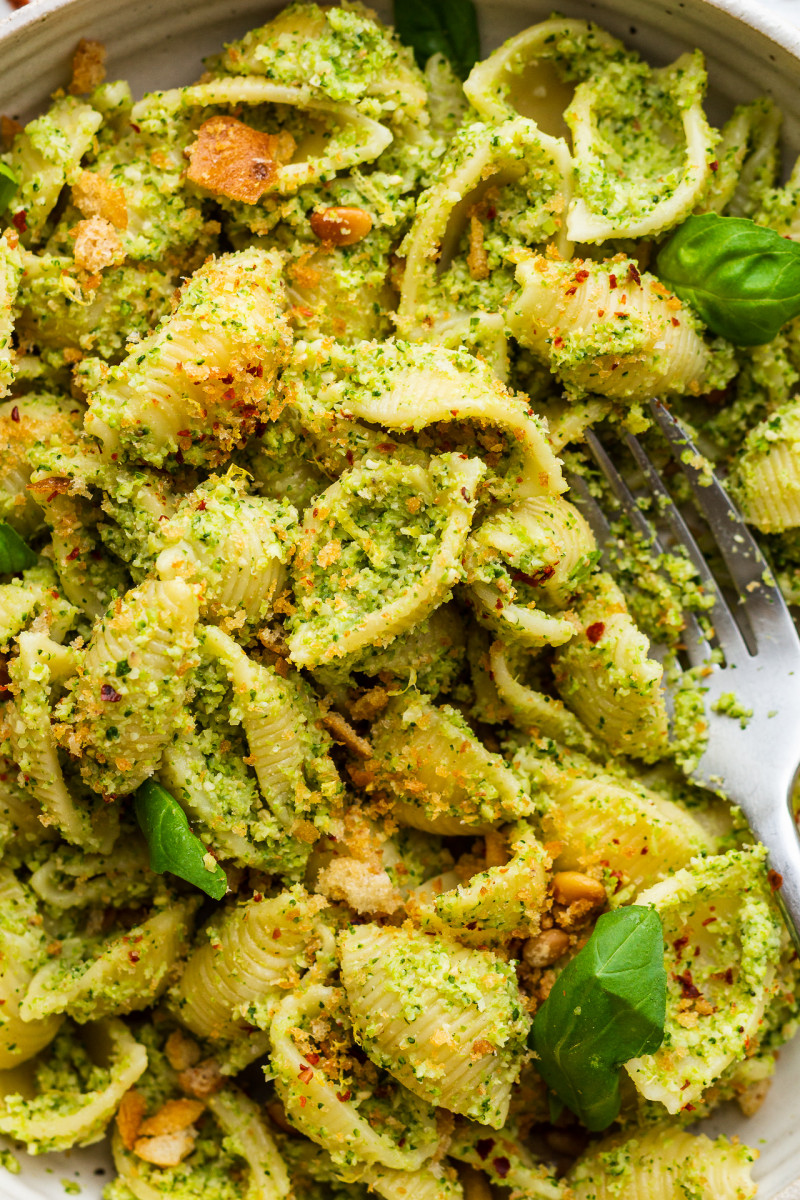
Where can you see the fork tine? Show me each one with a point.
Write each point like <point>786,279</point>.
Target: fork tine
<point>697,647</point>
<point>761,600</point>
<point>728,633</point>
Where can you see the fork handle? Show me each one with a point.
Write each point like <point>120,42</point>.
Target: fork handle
<point>774,825</point>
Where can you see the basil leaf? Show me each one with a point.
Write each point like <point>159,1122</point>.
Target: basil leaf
<point>173,846</point>
<point>448,27</point>
<point>607,1006</point>
<point>742,279</point>
<point>15,553</point>
<point>8,186</point>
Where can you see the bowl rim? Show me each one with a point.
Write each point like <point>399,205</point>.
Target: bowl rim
<point>754,13</point>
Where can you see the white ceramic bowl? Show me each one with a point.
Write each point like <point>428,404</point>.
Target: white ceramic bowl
<point>159,43</point>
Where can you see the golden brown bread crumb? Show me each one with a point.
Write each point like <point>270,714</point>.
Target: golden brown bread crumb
<point>165,1150</point>
<point>97,196</point>
<point>9,128</point>
<point>364,888</point>
<point>129,1117</point>
<point>88,67</point>
<point>202,1080</point>
<point>235,160</point>
<point>172,1117</point>
<point>342,731</point>
<point>181,1051</point>
<point>97,245</point>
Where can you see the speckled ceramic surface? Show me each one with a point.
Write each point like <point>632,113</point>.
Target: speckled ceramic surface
<point>751,49</point>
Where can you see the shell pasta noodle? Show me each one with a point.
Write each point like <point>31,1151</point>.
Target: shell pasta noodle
<point>334,750</point>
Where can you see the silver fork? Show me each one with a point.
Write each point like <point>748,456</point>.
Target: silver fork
<point>755,766</point>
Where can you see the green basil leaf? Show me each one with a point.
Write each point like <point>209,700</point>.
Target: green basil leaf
<point>15,553</point>
<point>742,279</point>
<point>173,846</point>
<point>8,186</point>
<point>448,27</point>
<point>607,1006</point>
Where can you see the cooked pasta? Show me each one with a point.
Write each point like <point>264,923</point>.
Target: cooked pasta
<point>445,1020</point>
<point>332,726</point>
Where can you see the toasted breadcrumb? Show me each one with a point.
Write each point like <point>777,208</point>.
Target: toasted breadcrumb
<point>88,67</point>
<point>97,196</point>
<point>9,128</point>
<point>181,1051</point>
<point>370,704</point>
<point>342,731</point>
<point>129,1117</point>
<point>477,258</point>
<point>235,160</point>
<point>172,1117</point>
<point>365,889</point>
<point>202,1080</point>
<point>166,1150</point>
<point>97,245</point>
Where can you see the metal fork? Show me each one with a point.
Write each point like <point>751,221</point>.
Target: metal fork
<point>755,766</point>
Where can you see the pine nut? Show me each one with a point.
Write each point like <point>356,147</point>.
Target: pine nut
<point>545,948</point>
<point>341,226</point>
<point>569,886</point>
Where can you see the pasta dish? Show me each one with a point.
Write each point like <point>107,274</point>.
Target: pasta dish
<point>347,845</point>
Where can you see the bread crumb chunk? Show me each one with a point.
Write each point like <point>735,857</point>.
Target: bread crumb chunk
<point>88,67</point>
<point>364,888</point>
<point>166,1150</point>
<point>97,245</point>
<point>235,160</point>
<point>129,1117</point>
<point>96,196</point>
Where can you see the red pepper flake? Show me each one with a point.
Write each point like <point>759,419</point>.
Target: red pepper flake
<point>536,578</point>
<point>633,273</point>
<point>502,1166</point>
<point>580,276</point>
<point>612,281</point>
<point>688,1108</point>
<point>136,128</point>
<point>709,920</point>
<point>499,605</point>
<point>229,394</point>
<point>680,943</point>
<point>303,1101</point>
<point>387,447</point>
<point>305,1074</point>
<point>558,341</point>
<point>226,379</point>
<point>601,312</point>
<point>201,506</point>
<point>483,1146</point>
<point>19,221</point>
<point>73,554</point>
<point>688,988</point>
<point>466,495</point>
<point>184,433</point>
<point>343,1096</point>
<point>349,457</point>
<point>276,933</point>
<point>570,291</point>
<point>645,850</point>
<point>775,880</point>
<point>107,692</point>
<point>312,1058</point>
<point>713,166</point>
<point>257,370</point>
<point>133,956</point>
<point>15,413</point>
<point>595,632</point>
<point>675,321</point>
